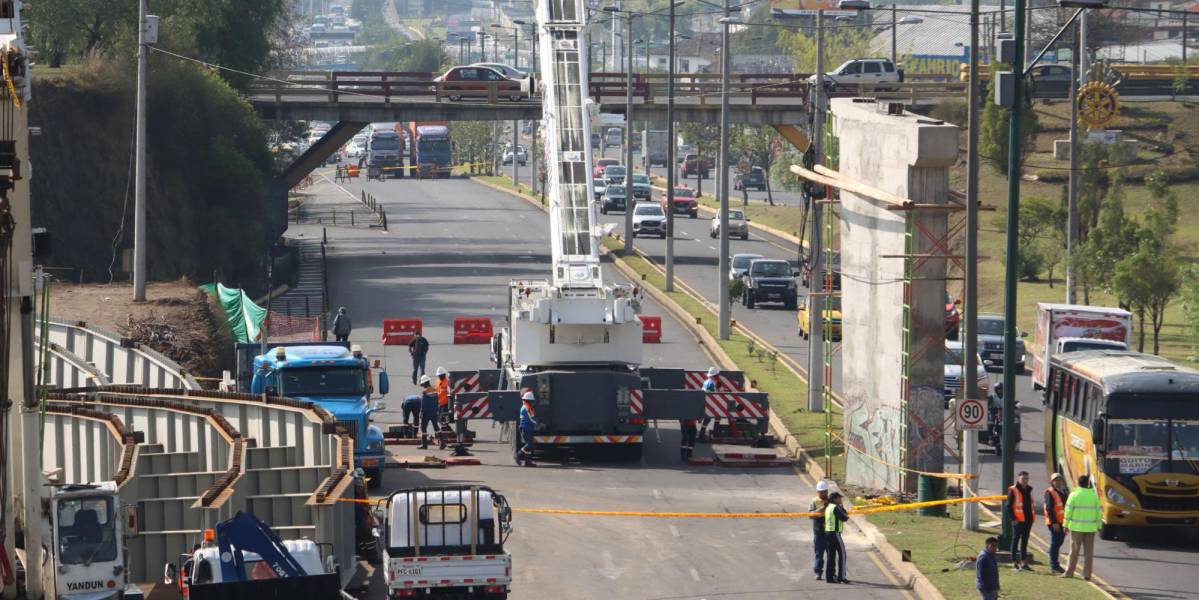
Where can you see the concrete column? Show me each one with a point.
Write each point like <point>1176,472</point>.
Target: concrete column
<point>910,157</point>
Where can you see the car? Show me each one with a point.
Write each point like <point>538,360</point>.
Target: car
<point>476,82</point>
<point>952,317</point>
<point>615,198</point>
<point>862,70</point>
<point>648,219</point>
<point>595,141</point>
<point>740,264</point>
<point>507,71</point>
<point>522,155</point>
<point>641,187</point>
<point>953,371</point>
<point>770,280</point>
<point>684,202</point>
<point>990,341</point>
<point>694,164</point>
<point>682,150</point>
<point>805,272</point>
<point>613,137</point>
<point>754,179</point>
<point>602,164</point>
<point>614,174</point>
<point>599,184</point>
<point>1050,81</point>
<point>738,225</point>
<point>832,318</point>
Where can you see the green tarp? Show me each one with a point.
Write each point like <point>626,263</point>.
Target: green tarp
<point>245,317</point>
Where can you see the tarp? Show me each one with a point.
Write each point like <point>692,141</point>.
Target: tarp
<point>245,317</point>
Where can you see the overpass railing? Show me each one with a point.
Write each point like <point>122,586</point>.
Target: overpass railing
<point>654,87</point>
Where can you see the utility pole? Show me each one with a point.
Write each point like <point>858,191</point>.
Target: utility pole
<point>628,142</point>
<point>970,335</point>
<point>815,250</point>
<point>139,168</point>
<point>723,169</point>
<point>895,35</point>
<point>670,163</point>
<point>1010,271</point>
<point>1072,193</point>
<point>516,122</point>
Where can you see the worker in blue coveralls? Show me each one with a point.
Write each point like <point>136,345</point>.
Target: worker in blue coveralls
<point>528,420</point>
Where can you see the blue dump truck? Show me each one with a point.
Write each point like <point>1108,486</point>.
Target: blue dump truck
<point>336,376</point>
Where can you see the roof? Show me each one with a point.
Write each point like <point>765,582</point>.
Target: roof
<point>1126,371</point>
<point>1110,310</point>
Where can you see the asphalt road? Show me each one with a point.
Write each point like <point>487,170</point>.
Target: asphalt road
<point>452,247</point>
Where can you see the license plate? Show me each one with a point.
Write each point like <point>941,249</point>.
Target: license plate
<point>776,295</point>
<point>409,571</point>
<point>370,462</point>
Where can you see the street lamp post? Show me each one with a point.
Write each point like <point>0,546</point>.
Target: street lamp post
<point>628,127</point>
<point>515,123</point>
<point>670,151</point>
<point>723,168</point>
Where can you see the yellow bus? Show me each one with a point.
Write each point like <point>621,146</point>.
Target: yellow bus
<point>1131,422</point>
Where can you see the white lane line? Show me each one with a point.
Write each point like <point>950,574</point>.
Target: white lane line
<point>783,560</point>
<point>711,247</point>
<point>694,575</point>
<point>657,494</point>
<point>674,531</point>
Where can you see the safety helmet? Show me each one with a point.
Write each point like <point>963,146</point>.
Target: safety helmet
<point>424,380</point>
<point>713,372</point>
<point>440,371</point>
<point>527,396</point>
<point>822,486</point>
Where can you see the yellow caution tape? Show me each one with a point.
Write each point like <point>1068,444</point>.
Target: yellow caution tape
<point>458,166</point>
<point>894,466</point>
<point>750,515</point>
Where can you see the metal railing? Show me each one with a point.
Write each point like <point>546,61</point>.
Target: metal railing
<point>121,360</point>
<point>652,88</point>
<point>370,202</point>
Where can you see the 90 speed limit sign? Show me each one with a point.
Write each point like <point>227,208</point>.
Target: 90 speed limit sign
<point>972,414</point>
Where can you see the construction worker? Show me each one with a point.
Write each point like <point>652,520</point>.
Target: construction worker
<point>687,428</point>
<point>986,570</point>
<point>709,386</point>
<point>1055,515</point>
<point>818,505</point>
<point>834,523</point>
<point>411,408</point>
<point>418,348</point>
<point>342,325</point>
<point>443,400</point>
<point>524,440</point>
<point>428,410</point>
<point>1020,509</point>
<point>1082,520</point>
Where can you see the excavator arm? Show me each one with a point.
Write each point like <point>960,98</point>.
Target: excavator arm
<point>247,533</point>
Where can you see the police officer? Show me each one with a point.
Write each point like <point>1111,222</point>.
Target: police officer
<point>709,386</point>
<point>428,410</point>
<point>834,523</point>
<point>818,504</point>
<point>524,440</point>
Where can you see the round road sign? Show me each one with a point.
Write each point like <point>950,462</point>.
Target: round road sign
<point>972,414</point>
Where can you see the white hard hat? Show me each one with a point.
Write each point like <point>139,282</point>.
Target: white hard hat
<point>822,486</point>
<point>713,372</point>
<point>527,396</point>
<point>424,379</point>
<point>440,371</point>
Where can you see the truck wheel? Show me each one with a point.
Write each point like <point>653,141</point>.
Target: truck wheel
<point>744,236</point>
<point>1108,532</point>
<point>792,304</point>
<point>375,478</point>
<point>749,299</point>
<point>455,98</point>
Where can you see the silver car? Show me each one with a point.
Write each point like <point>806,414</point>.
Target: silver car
<point>738,225</point>
<point>741,264</point>
<point>648,219</point>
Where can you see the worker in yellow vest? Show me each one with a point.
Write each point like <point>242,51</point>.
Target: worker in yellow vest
<point>834,523</point>
<point>1083,519</point>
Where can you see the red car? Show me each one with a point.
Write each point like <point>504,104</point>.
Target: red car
<point>476,82</point>
<point>953,316</point>
<point>602,164</point>
<point>684,203</point>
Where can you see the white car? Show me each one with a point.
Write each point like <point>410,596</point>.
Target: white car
<point>740,263</point>
<point>648,219</point>
<point>863,70</point>
<point>353,150</point>
<point>738,225</point>
<point>953,370</point>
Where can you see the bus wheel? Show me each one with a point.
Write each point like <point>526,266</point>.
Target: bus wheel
<point>1107,532</point>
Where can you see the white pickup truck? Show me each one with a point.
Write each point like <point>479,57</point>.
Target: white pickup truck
<point>1075,327</point>
<point>447,542</point>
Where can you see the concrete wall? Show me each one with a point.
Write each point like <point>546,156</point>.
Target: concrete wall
<point>908,156</point>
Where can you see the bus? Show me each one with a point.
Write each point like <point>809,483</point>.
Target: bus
<point>1130,421</point>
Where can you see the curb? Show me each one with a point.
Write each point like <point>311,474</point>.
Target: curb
<point>916,580</point>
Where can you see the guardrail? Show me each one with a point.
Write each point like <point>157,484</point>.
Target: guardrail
<point>335,86</point>
<point>652,88</point>
<point>370,202</point>
<point>121,360</point>
<point>910,92</point>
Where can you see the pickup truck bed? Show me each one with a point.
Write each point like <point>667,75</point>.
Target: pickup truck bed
<point>450,572</point>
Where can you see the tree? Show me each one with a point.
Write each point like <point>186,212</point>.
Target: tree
<point>993,141</point>
<point>1038,219</point>
<point>706,141</point>
<point>1190,305</point>
<point>422,56</point>
<point>473,143</point>
<point>1162,217</point>
<point>1148,279</point>
<point>758,146</point>
<point>840,44</point>
<point>1115,238</point>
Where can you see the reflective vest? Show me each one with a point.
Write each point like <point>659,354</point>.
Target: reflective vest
<point>1059,507</point>
<point>443,392</point>
<point>831,523</point>
<point>1017,503</point>
<point>1083,511</point>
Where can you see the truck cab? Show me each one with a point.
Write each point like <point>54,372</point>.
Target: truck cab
<point>447,542</point>
<point>385,150</point>
<point>338,379</point>
<point>433,156</point>
<point>89,544</point>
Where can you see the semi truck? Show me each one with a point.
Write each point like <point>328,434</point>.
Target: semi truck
<point>1069,327</point>
<point>385,150</point>
<point>447,542</point>
<point>334,375</point>
<point>431,148</point>
<point>655,146</point>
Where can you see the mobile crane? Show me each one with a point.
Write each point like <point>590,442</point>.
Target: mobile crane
<point>574,340</point>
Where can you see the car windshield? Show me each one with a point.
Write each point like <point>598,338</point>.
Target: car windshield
<point>322,381</point>
<point>772,268</point>
<point>742,261</point>
<point>385,144</point>
<point>615,190</point>
<point>736,215</point>
<point>990,326</point>
<point>604,162</point>
<point>684,193</point>
<point>953,356</point>
<point>599,182</point>
<point>614,171</point>
<point>640,179</point>
<point>86,531</point>
<point>648,209</point>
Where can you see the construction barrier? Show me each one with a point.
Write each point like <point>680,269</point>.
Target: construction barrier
<point>472,330</point>
<point>352,171</point>
<point>651,329</point>
<point>400,332</point>
<point>725,381</point>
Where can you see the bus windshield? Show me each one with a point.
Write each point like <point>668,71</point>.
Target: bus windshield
<point>1158,446</point>
<point>322,381</point>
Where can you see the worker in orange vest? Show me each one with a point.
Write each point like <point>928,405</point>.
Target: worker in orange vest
<point>1055,515</point>
<point>1020,509</point>
<point>443,400</point>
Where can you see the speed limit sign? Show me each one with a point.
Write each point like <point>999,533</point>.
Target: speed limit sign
<point>972,414</point>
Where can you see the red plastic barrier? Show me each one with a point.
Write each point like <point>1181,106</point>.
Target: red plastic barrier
<point>472,330</point>
<point>352,171</point>
<point>399,332</point>
<point>651,329</point>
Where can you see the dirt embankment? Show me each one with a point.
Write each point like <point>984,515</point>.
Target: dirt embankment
<point>177,319</point>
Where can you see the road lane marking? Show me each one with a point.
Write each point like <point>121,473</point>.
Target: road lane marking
<point>711,247</point>
<point>694,575</point>
<point>657,494</point>
<point>674,531</point>
<point>887,573</point>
